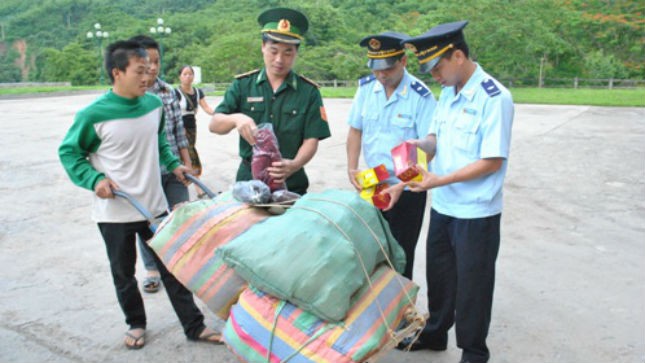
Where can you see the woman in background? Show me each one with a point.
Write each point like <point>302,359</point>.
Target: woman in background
<point>190,98</point>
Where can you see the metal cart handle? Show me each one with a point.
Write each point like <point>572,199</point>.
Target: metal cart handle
<point>201,185</point>
<point>153,222</point>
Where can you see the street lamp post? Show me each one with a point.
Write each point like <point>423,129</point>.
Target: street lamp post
<point>99,35</point>
<point>161,31</point>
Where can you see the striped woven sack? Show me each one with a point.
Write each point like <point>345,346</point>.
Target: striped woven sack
<point>186,242</point>
<point>261,325</point>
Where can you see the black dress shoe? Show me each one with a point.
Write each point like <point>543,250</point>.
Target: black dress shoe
<point>419,344</point>
<point>407,343</point>
<point>471,361</point>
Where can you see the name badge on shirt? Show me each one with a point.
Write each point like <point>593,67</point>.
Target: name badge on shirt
<point>402,120</point>
<point>254,99</point>
<point>470,111</point>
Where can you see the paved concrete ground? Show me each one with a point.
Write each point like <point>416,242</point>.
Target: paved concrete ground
<point>570,283</point>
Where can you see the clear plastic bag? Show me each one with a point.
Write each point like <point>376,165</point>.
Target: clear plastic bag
<point>284,196</point>
<point>265,152</point>
<point>252,192</point>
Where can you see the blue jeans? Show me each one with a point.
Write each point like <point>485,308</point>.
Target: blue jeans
<point>176,193</point>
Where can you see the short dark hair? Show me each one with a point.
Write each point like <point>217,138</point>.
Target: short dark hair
<point>146,41</point>
<point>184,67</point>
<point>461,45</point>
<point>118,55</point>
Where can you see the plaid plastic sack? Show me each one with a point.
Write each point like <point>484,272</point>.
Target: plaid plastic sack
<point>187,240</point>
<point>261,325</point>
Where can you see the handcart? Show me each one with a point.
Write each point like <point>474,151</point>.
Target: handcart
<point>196,250</point>
<point>152,220</point>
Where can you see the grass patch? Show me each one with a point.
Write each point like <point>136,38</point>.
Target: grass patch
<point>14,91</point>
<point>632,97</point>
<point>338,92</point>
<point>622,97</point>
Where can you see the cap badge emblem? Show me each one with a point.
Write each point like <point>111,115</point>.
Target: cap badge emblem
<point>284,25</point>
<point>375,44</point>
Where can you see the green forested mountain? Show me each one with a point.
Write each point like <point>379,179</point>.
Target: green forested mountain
<point>46,40</point>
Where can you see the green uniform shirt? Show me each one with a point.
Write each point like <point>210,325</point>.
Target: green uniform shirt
<point>295,110</point>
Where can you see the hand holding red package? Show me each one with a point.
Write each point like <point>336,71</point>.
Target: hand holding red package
<point>265,152</point>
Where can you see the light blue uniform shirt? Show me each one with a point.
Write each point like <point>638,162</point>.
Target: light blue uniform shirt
<point>386,123</point>
<point>474,124</point>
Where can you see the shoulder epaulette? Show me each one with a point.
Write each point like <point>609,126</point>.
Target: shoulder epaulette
<point>366,79</point>
<point>420,88</point>
<point>311,82</point>
<point>249,73</point>
<point>490,87</point>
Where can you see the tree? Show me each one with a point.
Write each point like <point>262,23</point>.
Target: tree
<point>601,65</point>
<point>9,72</point>
<point>615,28</point>
<point>73,64</point>
<point>510,38</point>
<point>323,62</point>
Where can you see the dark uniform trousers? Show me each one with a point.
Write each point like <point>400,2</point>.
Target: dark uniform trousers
<point>461,255</point>
<point>405,220</point>
<point>121,250</point>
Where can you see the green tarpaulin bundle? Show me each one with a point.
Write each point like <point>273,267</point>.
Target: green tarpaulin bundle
<point>317,254</point>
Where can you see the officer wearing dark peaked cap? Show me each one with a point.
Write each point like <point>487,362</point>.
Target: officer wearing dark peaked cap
<point>383,50</point>
<point>469,136</point>
<point>431,45</point>
<point>390,106</point>
<point>275,94</point>
<point>283,25</point>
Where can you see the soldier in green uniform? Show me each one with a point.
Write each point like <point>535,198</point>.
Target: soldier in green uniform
<point>276,95</point>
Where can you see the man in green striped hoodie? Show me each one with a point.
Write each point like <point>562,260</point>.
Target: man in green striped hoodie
<point>117,143</point>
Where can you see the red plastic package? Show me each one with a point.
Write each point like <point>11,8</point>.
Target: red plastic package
<point>265,152</point>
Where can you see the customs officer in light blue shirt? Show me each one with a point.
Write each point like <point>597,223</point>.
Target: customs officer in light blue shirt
<point>470,137</point>
<point>390,107</point>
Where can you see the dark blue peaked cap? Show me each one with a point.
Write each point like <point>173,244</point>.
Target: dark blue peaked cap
<point>384,49</point>
<point>429,46</point>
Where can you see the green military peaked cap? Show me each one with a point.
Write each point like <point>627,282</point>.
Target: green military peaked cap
<point>284,25</point>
